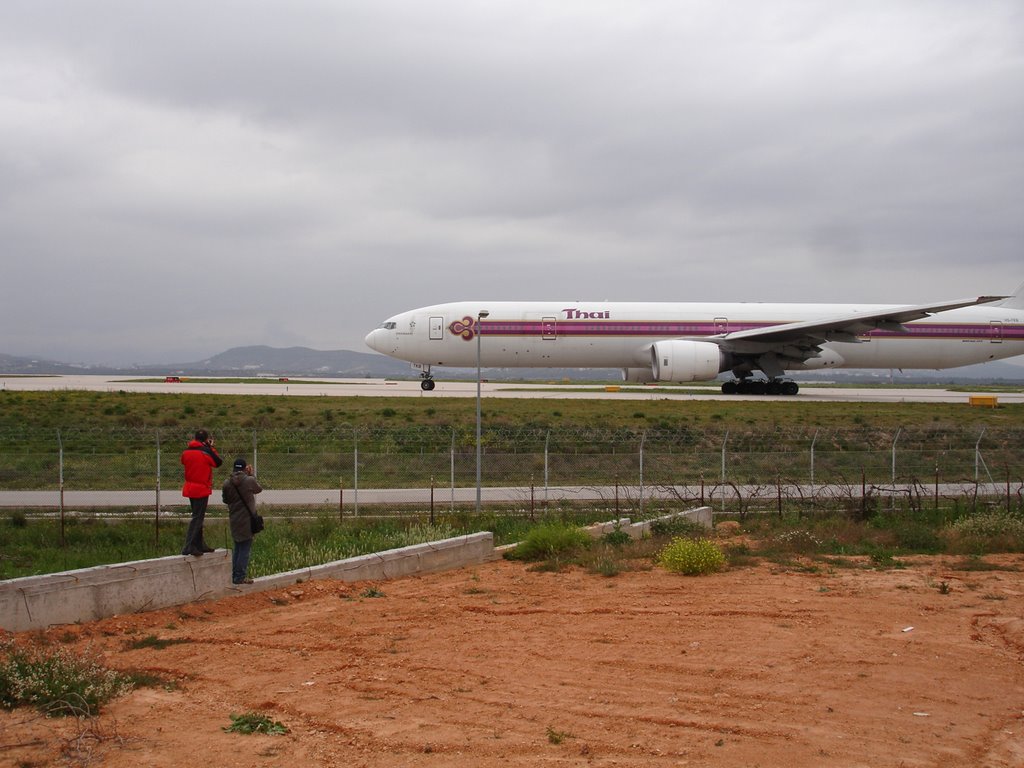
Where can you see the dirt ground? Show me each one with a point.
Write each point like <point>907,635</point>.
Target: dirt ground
<point>497,665</point>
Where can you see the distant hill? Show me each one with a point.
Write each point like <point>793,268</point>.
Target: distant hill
<point>343,363</point>
<point>296,361</point>
<point>239,361</point>
<point>42,366</point>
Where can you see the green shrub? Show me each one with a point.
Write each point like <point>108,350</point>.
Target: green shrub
<point>675,526</point>
<point>55,681</point>
<point>915,536</point>
<point>994,530</point>
<point>691,557</point>
<point>548,540</point>
<point>616,537</point>
<point>993,523</point>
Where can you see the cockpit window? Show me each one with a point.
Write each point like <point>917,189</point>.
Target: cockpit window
<point>389,326</point>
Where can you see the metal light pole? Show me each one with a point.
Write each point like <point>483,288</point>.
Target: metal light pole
<point>479,317</point>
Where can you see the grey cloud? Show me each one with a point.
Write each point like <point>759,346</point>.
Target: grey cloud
<point>341,161</point>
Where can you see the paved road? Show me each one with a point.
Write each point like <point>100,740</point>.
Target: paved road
<point>384,388</point>
<point>524,495</point>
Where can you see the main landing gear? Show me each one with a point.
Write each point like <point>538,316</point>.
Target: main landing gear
<point>760,387</point>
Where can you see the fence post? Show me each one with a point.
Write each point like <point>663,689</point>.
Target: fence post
<point>725,441</point>
<point>863,492</point>
<point>547,440</point>
<point>156,518</point>
<point>60,481</point>
<point>643,439</point>
<point>977,455</point>
<point>255,454</point>
<point>894,440</point>
<point>452,462</point>
<point>813,441</point>
<point>355,473</point>
<point>892,492</point>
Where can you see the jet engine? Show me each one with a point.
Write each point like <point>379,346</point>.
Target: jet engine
<point>686,361</point>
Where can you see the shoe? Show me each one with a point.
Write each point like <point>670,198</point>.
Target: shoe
<point>244,581</point>
<point>195,552</point>
<point>207,549</point>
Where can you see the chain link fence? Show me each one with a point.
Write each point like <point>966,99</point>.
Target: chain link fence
<point>392,470</point>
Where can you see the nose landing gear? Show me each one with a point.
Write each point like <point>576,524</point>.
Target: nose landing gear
<point>428,382</point>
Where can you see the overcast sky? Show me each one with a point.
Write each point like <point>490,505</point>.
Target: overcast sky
<point>181,178</point>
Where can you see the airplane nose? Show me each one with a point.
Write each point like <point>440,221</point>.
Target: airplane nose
<point>372,339</point>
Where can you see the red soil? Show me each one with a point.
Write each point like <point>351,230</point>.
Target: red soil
<point>499,666</point>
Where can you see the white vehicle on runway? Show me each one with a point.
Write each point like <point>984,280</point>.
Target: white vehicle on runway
<point>681,342</point>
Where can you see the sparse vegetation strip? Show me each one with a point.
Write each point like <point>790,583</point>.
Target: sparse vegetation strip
<point>56,681</point>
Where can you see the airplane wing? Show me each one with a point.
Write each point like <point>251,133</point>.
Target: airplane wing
<point>848,327</point>
<point>801,341</point>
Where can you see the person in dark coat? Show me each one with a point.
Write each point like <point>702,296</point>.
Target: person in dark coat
<point>239,493</point>
<point>200,458</point>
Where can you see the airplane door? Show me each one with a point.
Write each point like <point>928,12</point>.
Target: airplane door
<point>996,332</point>
<point>721,325</point>
<point>549,328</point>
<point>437,328</point>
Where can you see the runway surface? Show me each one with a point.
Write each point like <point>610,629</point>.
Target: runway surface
<point>303,387</point>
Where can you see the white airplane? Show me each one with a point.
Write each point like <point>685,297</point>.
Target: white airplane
<point>680,342</point>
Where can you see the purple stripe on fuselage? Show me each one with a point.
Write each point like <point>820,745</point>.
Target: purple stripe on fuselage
<point>606,329</point>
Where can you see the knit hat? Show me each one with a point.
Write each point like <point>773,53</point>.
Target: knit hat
<point>240,464</point>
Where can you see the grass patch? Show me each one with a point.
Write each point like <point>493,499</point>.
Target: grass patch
<point>557,737</point>
<point>549,540</point>
<point>739,555</point>
<point>152,641</point>
<point>296,538</point>
<point>142,679</point>
<point>253,722</point>
<point>976,563</point>
<point>91,411</point>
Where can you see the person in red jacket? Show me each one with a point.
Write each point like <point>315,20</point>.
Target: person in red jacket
<point>199,460</point>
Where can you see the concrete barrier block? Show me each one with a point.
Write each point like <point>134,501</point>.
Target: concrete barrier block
<point>703,516</point>
<point>597,530</point>
<point>700,515</point>
<point>441,555</point>
<point>34,602</point>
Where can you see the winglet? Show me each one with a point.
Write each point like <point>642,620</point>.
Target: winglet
<point>1016,301</point>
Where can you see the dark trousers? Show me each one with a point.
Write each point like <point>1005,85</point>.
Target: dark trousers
<point>240,560</point>
<point>194,537</point>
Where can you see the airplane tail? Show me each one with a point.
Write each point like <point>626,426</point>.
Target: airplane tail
<point>1016,301</point>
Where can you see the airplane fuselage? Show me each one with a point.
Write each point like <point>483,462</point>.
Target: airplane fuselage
<point>623,334</point>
